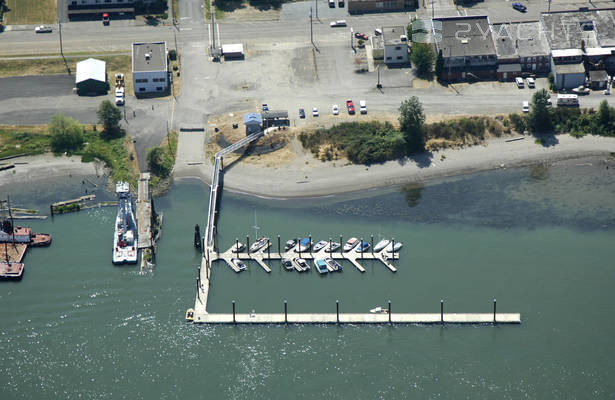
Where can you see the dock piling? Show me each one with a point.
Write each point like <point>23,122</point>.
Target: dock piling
<point>361,244</point>
<point>236,246</point>
<point>393,247</point>
<point>330,251</point>
<point>279,252</point>
<point>197,236</point>
<point>390,312</point>
<point>268,249</point>
<point>234,321</point>
<point>442,311</point>
<point>248,244</point>
<point>337,308</point>
<point>310,236</point>
<point>285,312</point>
<point>341,245</point>
<point>372,237</point>
<point>299,247</point>
<point>494,306</point>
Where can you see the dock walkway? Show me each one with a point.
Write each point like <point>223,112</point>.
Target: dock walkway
<point>144,212</point>
<point>357,318</point>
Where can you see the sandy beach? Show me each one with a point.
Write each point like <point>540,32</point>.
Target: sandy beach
<point>307,177</point>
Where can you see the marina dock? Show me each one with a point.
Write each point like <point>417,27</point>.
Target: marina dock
<point>357,318</point>
<point>144,212</point>
<point>199,313</point>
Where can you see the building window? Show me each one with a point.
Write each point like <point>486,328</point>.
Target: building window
<point>162,80</point>
<point>399,57</point>
<point>141,80</point>
<point>397,47</point>
<point>159,88</point>
<point>141,89</point>
<point>388,58</point>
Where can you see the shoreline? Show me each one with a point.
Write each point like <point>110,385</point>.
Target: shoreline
<point>316,179</point>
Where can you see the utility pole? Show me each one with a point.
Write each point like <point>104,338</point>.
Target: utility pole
<point>316,3</point>
<point>379,86</point>
<point>549,6</point>
<point>311,28</point>
<point>213,28</point>
<point>60,29</point>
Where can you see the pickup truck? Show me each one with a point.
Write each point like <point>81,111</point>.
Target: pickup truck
<point>43,29</point>
<point>350,106</point>
<point>119,96</point>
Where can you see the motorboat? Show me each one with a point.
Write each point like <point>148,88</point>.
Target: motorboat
<point>381,245</point>
<point>321,266</point>
<point>304,245</point>
<point>238,247</point>
<point>320,245</point>
<point>290,244</point>
<point>241,266</point>
<point>362,247</point>
<point>334,246</point>
<point>391,249</point>
<point>333,265</point>
<point>287,264</point>
<point>379,310</point>
<point>260,244</point>
<point>124,239</point>
<point>351,243</point>
<point>300,262</point>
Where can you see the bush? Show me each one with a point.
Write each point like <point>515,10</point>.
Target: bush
<point>66,134</point>
<point>175,68</point>
<point>172,55</point>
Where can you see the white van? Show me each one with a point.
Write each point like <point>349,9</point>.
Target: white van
<point>567,100</point>
<point>519,82</point>
<point>363,107</point>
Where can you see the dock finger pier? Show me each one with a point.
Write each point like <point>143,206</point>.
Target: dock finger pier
<point>296,255</point>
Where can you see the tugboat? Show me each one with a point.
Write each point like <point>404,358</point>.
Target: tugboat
<point>24,235</point>
<point>125,237</point>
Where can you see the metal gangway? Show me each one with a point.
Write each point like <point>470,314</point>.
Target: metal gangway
<point>208,240</point>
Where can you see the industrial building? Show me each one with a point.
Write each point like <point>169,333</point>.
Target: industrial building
<point>150,68</point>
<point>91,77</point>
<point>467,48</point>
<point>371,6</point>
<point>89,9</point>
<point>395,45</point>
<point>522,48</point>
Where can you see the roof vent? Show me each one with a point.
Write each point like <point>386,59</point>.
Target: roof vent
<point>148,56</point>
<point>464,41</point>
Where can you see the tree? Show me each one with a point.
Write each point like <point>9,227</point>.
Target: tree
<point>422,57</point>
<point>66,134</point>
<point>109,116</point>
<point>540,118</point>
<point>411,121</point>
<point>439,65</point>
<point>605,115</point>
<point>155,160</point>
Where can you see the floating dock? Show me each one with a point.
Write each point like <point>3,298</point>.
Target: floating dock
<point>356,318</point>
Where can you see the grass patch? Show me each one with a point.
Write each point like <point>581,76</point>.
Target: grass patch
<point>24,12</point>
<point>166,160</point>
<point>16,140</point>
<point>114,153</point>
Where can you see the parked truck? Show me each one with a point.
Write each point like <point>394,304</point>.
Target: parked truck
<point>119,90</point>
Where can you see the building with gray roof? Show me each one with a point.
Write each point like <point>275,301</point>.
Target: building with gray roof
<point>467,47</point>
<point>150,68</point>
<point>522,43</point>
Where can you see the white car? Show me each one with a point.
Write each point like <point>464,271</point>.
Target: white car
<point>335,109</point>
<point>338,24</point>
<point>43,29</point>
<point>362,107</point>
<point>531,83</point>
<point>519,82</point>
<point>314,112</point>
<point>526,107</point>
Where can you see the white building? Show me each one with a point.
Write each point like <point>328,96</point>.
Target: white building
<point>395,45</point>
<point>150,68</point>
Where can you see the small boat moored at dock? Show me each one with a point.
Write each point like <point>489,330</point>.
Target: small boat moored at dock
<point>381,245</point>
<point>239,264</point>
<point>260,244</point>
<point>379,310</point>
<point>391,249</point>
<point>351,243</point>
<point>238,247</point>
<point>334,246</point>
<point>287,264</point>
<point>362,247</point>
<point>320,245</point>
<point>290,244</point>
<point>321,266</point>
<point>300,262</point>
<point>304,245</point>
<point>333,265</point>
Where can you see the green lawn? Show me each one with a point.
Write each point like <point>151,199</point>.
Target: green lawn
<point>22,12</point>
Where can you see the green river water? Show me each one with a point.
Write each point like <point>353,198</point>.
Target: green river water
<point>540,240</point>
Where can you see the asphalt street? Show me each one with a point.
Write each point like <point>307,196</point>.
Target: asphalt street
<point>281,68</point>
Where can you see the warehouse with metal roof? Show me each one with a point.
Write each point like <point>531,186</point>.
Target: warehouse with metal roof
<point>91,77</point>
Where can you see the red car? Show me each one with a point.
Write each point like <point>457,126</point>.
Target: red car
<point>360,35</point>
<point>350,106</point>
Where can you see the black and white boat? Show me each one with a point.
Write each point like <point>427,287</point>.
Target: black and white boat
<point>287,264</point>
<point>290,244</point>
<point>351,243</point>
<point>260,244</point>
<point>334,246</point>
<point>319,246</point>
<point>300,262</point>
<point>241,266</point>
<point>333,265</point>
